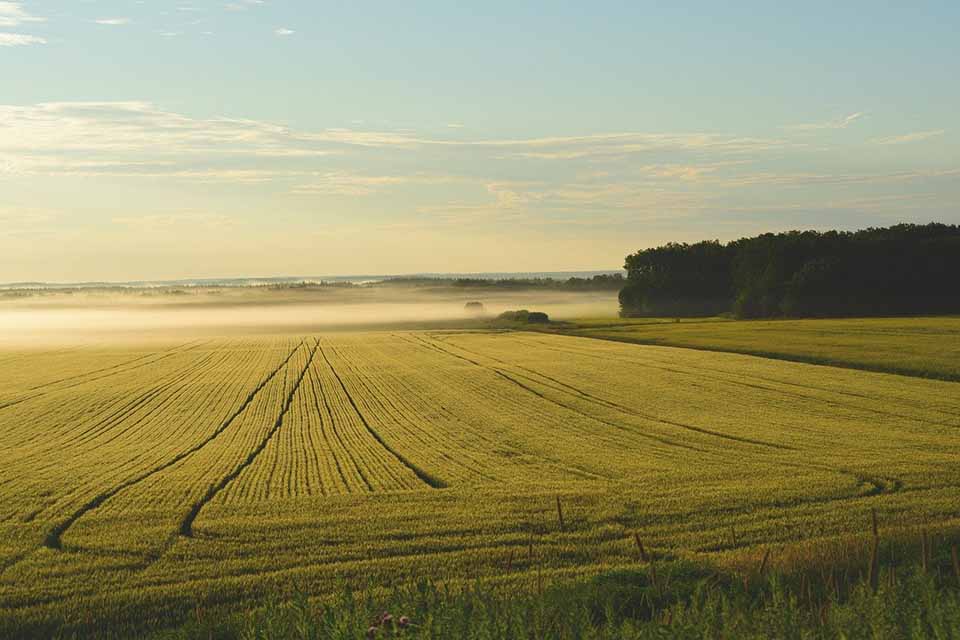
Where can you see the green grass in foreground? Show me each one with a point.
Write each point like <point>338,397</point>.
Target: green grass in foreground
<point>883,598</point>
<point>926,347</point>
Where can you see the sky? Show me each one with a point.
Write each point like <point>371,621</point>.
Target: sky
<point>214,138</point>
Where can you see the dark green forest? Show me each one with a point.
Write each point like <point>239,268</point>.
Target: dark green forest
<point>903,269</point>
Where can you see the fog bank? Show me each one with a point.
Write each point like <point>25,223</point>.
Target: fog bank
<point>52,319</point>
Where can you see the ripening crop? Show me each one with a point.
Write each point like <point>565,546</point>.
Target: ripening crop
<point>138,480</point>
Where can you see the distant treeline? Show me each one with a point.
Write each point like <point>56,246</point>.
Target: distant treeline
<point>903,269</point>
<point>306,284</point>
<point>600,282</point>
<point>90,291</point>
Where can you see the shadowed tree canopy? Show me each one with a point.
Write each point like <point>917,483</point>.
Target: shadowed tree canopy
<point>534,317</point>
<point>474,308</point>
<point>903,269</point>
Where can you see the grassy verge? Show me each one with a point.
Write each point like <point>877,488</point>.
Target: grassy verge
<point>926,347</point>
<point>886,584</point>
<point>913,597</point>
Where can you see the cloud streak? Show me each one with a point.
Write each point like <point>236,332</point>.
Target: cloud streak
<point>243,5</point>
<point>910,137</point>
<point>19,40</point>
<point>344,183</point>
<point>447,178</point>
<point>114,129</point>
<point>838,123</point>
<point>12,14</point>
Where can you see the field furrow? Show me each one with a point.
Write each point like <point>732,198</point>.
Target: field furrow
<point>229,468</point>
<point>290,389</point>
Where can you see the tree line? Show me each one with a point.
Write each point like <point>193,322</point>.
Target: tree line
<point>902,269</point>
<point>599,282</point>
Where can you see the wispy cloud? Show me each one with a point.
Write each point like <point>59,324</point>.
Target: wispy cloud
<point>751,179</point>
<point>546,202</point>
<point>613,177</point>
<point>19,164</point>
<point>684,172</point>
<point>343,183</point>
<point>243,5</point>
<point>138,126</point>
<point>283,31</point>
<point>19,40</point>
<point>12,14</point>
<point>837,123</point>
<point>137,139</point>
<point>619,144</point>
<point>135,125</point>
<point>910,137</point>
<point>114,22</point>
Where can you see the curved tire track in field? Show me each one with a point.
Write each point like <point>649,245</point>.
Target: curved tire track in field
<point>132,406</point>
<point>845,392</point>
<point>878,484</point>
<point>725,377</point>
<point>117,418</point>
<point>492,442</point>
<point>14,560</point>
<point>186,525</point>
<point>906,372</point>
<point>54,537</point>
<point>428,479</point>
<point>570,408</point>
<point>126,405</point>
<point>179,389</point>
<point>390,402</point>
<point>112,372</point>
<point>653,418</point>
<point>119,410</point>
<point>568,388</point>
<point>166,353</point>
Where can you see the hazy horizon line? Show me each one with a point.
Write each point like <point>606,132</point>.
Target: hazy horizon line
<point>298,278</point>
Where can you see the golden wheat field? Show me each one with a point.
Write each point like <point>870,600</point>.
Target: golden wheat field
<point>138,479</point>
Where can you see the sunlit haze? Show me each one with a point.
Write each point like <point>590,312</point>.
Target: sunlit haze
<point>224,138</point>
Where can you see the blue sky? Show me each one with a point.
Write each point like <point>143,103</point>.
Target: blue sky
<point>217,138</point>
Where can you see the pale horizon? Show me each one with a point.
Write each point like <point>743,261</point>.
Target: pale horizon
<point>293,278</point>
<point>162,141</point>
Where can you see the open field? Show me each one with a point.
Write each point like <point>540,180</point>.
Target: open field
<point>927,347</point>
<point>138,479</point>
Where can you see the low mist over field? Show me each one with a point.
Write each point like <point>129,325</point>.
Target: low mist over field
<point>486,320</point>
<point>62,315</point>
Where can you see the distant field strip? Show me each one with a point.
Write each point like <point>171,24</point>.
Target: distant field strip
<point>226,468</point>
<point>926,347</point>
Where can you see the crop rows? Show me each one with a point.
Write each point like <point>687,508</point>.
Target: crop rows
<point>230,467</point>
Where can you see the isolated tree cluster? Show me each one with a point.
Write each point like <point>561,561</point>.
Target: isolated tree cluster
<point>903,269</point>
<point>534,317</point>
